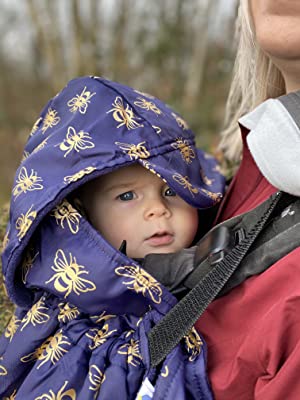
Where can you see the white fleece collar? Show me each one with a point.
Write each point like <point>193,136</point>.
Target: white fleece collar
<point>274,142</point>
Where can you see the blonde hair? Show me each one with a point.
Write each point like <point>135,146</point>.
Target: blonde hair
<point>255,79</point>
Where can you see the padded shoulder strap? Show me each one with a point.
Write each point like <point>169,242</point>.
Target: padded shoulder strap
<point>178,322</point>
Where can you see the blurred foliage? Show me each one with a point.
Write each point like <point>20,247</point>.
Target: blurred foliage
<point>6,308</point>
<point>179,51</point>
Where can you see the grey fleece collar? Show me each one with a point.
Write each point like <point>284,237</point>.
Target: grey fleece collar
<point>274,141</point>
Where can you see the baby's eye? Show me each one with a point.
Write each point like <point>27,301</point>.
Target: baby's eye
<point>169,192</point>
<point>126,196</point>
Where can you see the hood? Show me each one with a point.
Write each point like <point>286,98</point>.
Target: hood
<point>94,126</point>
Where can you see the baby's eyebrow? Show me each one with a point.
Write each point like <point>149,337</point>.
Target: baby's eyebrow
<point>119,186</point>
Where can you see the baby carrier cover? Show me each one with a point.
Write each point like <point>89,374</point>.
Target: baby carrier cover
<point>85,308</point>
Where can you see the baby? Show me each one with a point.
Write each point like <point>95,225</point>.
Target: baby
<point>109,175</point>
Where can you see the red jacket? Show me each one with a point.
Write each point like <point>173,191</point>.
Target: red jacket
<point>253,333</point>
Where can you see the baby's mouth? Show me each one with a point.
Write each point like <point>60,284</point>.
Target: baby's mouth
<point>161,238</point>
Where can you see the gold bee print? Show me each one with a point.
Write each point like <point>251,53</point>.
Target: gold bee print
<point>205,179</point>
<point>146,164</point>
<point>35,126</point>
<point>147,105</point>
<point>165,372</point>
<point>67,312</point>
<point>81,101</point>
<point>216,197</point>
<point>102,317</point>
<point>79,175</point>
<point>40,146</point>
<point>76,141</point>
<point>132,351</point>
<point>5,241</point>
<point>124,115</point>
<point>134,151</point>
<point>62,394</point>
<point>24,222</point>
<point>67,277</point>
<point>3,370</point>
<point>51,119</point>
<point>157,129</point>
<point>184,181</point>
<point>27,182</point>
<point>51,350</point>
<point>96,378</point>
<point>36,315</point>
<point>140,281</point>
<point>193,344</point>
<point>12,396</point>
<point>26,154</point>
<point>12,327</point>
<point>181,122</point>
<point>187,153</point>
<point>99,336</point>
<point>66,213</point>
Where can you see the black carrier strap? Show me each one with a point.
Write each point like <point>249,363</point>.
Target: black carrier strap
<point>178,322</point>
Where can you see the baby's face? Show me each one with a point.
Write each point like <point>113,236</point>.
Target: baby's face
<point>135,205</point>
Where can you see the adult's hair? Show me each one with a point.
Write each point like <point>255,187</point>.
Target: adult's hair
<point>255,79</point>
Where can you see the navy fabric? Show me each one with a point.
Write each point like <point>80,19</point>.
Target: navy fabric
<point>84,308</point>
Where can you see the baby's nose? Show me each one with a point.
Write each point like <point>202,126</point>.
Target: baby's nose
<point>157,209</point>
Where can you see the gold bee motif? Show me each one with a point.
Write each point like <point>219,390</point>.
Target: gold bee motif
<point>65,212</point>
<point>69,394</point>
<point>24,222</point>
<point>147,105</point>
<point>5,241</point>
<point>40,146</point>
<point>184,181</point>
<point>102,317</point>
<point>12,396</point>
<point>67,312</point>
<point>35,126</point>
<point>150,167</point>
<point>3,370</point>
<point>76,141</point>
<point>99,336</point>
<point>81,101</point>
<point>140,281</point>
<point>67,277</point>
<point>51,350</point>
<point>135,151</point>
<point>157,129</point>
<point>187,153</point>
<point>165,374</point>
<point>124,115</point>
<point>26,154</point>
<point>12,327</point>
<point>193,344</point>
<point>27,182</point>
<point>181,122</point>
<point>51,119</point>
<point>79,175</point>
<point>132,351</point>
<point>36,315</point>
<point>216,197</point>
<point>96,378</point>
<point>206,180</point>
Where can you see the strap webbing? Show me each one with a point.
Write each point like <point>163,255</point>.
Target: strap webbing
<point>178,322</point>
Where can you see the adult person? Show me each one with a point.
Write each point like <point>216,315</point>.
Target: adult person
<point>253,332</point>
